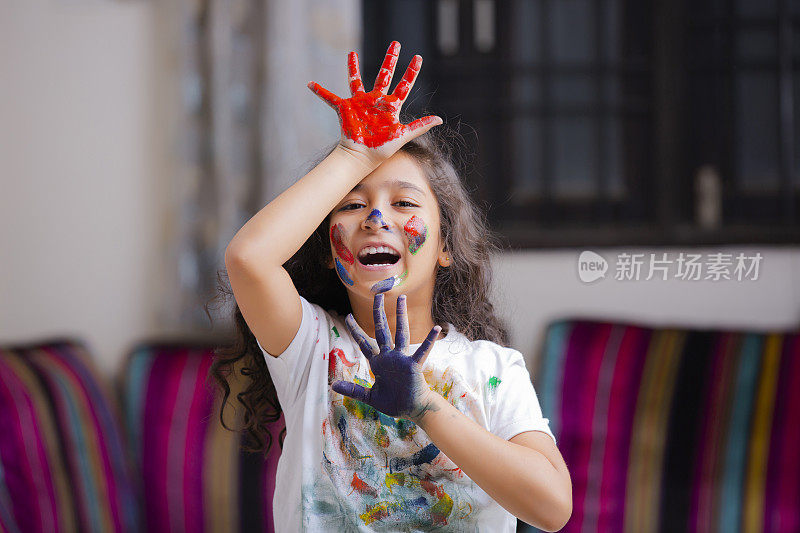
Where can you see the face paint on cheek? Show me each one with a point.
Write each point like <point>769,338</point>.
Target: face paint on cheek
<point>341,250</point>
<point>343,274</point>
<point>389,283</point>
<point>416,231</point>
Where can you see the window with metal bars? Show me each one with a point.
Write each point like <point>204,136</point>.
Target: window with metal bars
<point>613,122</point>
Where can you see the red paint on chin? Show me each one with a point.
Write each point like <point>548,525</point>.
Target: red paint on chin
<point>341,250</point>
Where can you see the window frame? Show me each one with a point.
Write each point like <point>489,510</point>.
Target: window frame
<point>664,212</point>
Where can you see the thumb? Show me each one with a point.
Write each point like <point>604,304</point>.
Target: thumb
<point>352,390</point>
<point>327,96</point>
<point>420,127</point>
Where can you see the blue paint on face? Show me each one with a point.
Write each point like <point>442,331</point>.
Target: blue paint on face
<point>343,275</point>
<point>389,283</point>
<point>383,286</point>
<point>376,217</point>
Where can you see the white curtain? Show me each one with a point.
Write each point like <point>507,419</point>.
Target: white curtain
<point>244,124</point>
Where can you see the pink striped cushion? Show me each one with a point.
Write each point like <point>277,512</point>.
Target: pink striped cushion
<point>192,475</point>
<point>62,465</point>
<point>675,430</point>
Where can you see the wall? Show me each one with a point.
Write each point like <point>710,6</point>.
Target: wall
<point>78,160</point>
<point>536,287</point>
<point>84,167</point>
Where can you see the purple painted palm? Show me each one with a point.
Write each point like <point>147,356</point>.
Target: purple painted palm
<point>400,389</point>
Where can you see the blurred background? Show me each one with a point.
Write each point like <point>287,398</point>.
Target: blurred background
<point>136,138</point>
<point>639,159</point>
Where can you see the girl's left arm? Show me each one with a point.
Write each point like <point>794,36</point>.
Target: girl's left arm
<point>526,474</point>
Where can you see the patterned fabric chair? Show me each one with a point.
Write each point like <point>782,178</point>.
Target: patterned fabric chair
<point>152,457</point>
<point>192,475</point>
<point>63,466</point>
<point>675,430</point>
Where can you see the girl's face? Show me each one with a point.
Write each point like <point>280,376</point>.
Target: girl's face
<point>385,234</point>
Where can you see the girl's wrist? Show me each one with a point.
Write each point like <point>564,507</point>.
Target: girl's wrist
<point>362,160</point>
<point>430,404</point>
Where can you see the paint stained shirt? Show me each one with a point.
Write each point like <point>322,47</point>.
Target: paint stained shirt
<point>348,467</point>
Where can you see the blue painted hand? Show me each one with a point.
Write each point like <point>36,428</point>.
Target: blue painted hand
<point>400,389</point>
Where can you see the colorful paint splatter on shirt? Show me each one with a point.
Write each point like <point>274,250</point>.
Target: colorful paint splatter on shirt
<point>338,352</point>
<point>382,472</point>
<point>491,388</point>
<point>493,382</point>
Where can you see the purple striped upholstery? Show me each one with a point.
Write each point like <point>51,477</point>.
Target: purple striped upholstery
<point>675,430</point>
<point>62,465</point>
<point>192,474</point>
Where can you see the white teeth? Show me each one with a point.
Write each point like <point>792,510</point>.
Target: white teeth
<point>376,250</point>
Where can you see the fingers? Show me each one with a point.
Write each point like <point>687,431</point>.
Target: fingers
<point>401,336</point>
<point>382,333</point>
<point>368,347</point>
<point>420,126</point>
<point>387,69</point>
<point>330,98</point>
<point>425,348</point>
<point>405,85</point>
<point>352,390</point>
<point>356,85</point>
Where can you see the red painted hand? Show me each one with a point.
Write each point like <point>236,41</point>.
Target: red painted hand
<point>371,120</point>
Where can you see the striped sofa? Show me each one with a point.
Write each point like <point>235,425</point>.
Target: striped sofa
<point>673,429</point>
<point>144,454</point>
<point>662,429</point>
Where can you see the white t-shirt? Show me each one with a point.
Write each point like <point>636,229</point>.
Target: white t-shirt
<point>348,467</point>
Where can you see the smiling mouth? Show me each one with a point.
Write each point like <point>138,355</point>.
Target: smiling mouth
<point>380,256</point>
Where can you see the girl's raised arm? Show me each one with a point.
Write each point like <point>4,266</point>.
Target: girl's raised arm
<point>371,133</point>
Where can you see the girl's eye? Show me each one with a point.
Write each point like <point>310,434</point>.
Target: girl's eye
<point>404,203</point>
<point>349,207</point>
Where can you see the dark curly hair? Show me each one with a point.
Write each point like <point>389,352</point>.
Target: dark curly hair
<point>460,296</point>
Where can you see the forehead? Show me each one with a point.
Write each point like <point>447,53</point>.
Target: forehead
<point>400,171</point>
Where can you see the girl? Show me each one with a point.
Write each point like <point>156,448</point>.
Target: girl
<point>440,428</point>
